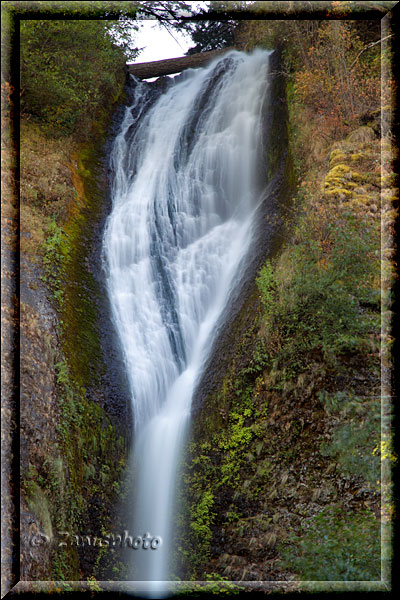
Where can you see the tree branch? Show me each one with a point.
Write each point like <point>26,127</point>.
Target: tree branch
<point>367,48</point>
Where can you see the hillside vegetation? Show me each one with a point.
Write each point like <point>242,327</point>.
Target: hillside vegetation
<point>284,461</point>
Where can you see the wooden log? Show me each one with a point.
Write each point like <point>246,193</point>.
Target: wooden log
<point>157,68</point>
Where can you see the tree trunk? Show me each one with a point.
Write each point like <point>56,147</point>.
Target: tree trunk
<point>157,68</point>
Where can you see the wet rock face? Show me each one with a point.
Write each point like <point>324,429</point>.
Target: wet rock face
<point>111,388</point>
<point>47,473</point>
<point>39,410</point>
<point>284,479</point>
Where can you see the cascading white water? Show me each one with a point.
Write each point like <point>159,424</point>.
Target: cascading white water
<point>184,197</point>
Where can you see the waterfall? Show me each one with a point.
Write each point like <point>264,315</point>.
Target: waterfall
<point>185,193</point>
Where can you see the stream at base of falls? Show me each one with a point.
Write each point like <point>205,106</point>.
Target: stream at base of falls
<point>186,188</point>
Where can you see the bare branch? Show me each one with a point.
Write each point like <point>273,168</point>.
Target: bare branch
<point>367,48</point>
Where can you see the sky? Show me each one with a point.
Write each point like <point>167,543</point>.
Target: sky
<point>158,43</point>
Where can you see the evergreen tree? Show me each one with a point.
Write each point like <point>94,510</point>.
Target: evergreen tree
<point>210,33</point>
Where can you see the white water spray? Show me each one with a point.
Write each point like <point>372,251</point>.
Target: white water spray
<point>184,196</point>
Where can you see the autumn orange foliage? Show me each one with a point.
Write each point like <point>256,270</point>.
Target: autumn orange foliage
<point>335,82</point>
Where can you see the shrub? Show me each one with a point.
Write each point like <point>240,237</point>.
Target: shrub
<point>355,440</point>
<point>312,297</point>
<point>335,546</point>
<point>68,68</point>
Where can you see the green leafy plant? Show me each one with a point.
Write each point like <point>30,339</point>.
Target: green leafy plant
<point>335,546</point>
<point>56,254</point>
<point>266,284</point>
<point>202,518</point>
<point>58,59</point>
<point>354,441</point>
<point>312,296</point>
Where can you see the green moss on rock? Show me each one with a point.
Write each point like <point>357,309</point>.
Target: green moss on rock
<point>81,292</point>
<point>337,156</point>
<point>81,480</point>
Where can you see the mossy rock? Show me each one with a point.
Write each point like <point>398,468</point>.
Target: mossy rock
<point>340,193</point>
<point>362,134</point>
<point>385,180</point>
<point>337,156</point>
<point>342,174</point>
<point>340,170</point>
<point>362,199</point>
<point>358,156</point>
<point>39,505</point>
<point>387,145</point>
